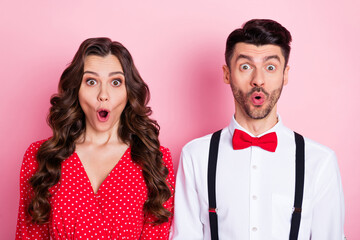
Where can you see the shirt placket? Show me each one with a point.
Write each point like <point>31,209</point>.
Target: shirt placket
<point>255,178</point>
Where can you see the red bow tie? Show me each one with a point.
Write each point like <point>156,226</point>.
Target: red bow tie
<point>243,140</point>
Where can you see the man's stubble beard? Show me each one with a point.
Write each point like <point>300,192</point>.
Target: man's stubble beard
<point>259,112</point>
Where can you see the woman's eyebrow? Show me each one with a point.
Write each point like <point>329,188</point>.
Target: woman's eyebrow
<point>91,72</point>
<point>114,73</point>
<point>110,74</point>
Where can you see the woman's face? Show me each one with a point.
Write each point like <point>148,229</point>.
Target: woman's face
<point>102,93</point>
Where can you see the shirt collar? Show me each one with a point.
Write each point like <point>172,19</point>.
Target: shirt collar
<point>235,125</point>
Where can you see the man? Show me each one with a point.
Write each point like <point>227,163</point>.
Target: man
<point>267,183</point>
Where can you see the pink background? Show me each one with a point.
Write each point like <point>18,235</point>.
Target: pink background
<point>178,48</point>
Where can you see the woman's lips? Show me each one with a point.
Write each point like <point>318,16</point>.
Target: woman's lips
<point>258,98</point>
<point>103,115</point>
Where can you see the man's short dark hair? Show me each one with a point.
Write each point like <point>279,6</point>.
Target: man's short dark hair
<point>259,32</point>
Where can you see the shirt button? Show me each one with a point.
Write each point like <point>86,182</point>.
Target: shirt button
<point>254,167</point>
<point>254,229</point>
<point>254,197</point>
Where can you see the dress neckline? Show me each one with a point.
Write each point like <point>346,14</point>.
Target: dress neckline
<point>127,151</point>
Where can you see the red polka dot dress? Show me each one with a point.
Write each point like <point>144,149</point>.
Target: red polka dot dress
<point>114,212</point>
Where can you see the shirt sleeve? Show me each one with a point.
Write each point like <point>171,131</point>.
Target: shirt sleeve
<point>25,229</point>
<point>328,213</point>
<point>150,231</point>
<point>187,222</point>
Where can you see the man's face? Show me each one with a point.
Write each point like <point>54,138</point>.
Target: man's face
<point>256,77</point>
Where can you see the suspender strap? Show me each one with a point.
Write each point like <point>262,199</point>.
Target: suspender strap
<point>299,186</point>
<point>213,155</point>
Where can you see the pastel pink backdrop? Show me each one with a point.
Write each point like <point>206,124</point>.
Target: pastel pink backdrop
<point>178,49</point>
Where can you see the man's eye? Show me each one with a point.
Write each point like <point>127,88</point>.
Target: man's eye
<point>271,68</point>
<point>91,82</point>
<point>116,82</point>
<point>245,67</point>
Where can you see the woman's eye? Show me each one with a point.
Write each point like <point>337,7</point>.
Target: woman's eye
<point>91,82</point>
<point>271,68</point>
<point>116,83</point>
<point>245,67</point>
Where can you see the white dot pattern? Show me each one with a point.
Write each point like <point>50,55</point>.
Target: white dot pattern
<point>114,212</point>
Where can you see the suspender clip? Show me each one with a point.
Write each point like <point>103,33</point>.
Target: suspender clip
<point>297,210</point>
<point>213,210</point>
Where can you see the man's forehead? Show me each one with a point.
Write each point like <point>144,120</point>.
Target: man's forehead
<point>257,52</point>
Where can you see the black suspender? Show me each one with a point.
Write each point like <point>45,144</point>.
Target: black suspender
<point>213,155</point>
<point>299,185</point>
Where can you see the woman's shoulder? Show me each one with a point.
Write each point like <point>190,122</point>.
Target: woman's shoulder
<point>167,157</point>
<point>34,147</point>
<point>164,149</point>
<point>169,165</point>
<point>31,151</point>
<point>38,143</point>
<point>166,154</point>
<point>29,164</point>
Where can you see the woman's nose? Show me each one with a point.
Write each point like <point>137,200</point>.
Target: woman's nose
<point>103,95</point>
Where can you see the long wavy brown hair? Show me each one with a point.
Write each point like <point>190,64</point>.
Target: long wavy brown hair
<point>67,121</point>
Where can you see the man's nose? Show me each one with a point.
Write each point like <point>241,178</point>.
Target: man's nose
<point>258,79</point>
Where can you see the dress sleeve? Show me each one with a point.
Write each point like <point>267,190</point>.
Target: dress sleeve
<point>328,213</point>
<point>150,231</point>
<point>25,229</point>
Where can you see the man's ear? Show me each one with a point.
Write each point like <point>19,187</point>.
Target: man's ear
<point>226,74</point>
<point>286,74</point>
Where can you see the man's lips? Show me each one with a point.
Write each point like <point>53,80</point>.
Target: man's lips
<point>103,114</point>
<point>258,98</point>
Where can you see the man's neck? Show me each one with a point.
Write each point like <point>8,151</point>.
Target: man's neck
<point>256,126</point>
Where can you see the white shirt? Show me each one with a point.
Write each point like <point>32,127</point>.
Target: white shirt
<point>255,190</point>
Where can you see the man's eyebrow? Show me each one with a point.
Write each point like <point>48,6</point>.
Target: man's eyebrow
<point>110,74</point>
<point>244,56</point>
<point>272,57</point>
<point>251,59</point>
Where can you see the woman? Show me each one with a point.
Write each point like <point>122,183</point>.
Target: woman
<point>103,173</point>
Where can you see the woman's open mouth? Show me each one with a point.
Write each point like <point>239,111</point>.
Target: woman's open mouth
<point>103,115</point>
